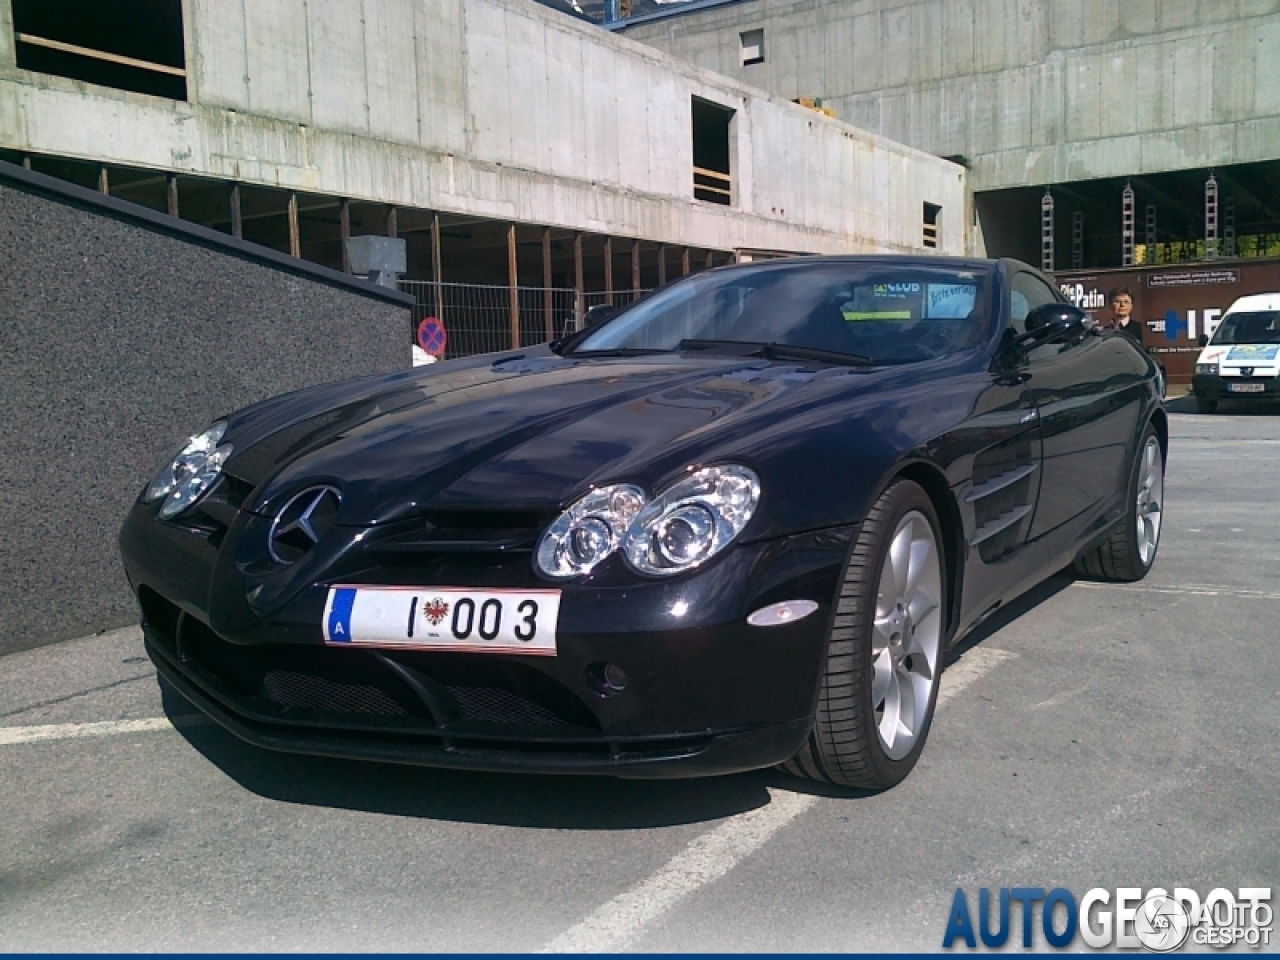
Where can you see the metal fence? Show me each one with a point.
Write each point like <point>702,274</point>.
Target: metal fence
<point>485,319</point>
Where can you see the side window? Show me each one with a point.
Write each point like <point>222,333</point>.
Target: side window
<point>1027,293</point>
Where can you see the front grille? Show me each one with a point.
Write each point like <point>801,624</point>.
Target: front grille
<point>466,531</point>
<point>290,689</point>
<point>314,685</point>
<point>490,705</point>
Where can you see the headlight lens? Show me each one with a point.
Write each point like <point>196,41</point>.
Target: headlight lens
<point>191,473</point>
<point>692,520</point>
<point>1209,368</point>
<point>587,532</point>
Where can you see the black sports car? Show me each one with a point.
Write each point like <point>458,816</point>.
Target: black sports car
<point>737,524</point>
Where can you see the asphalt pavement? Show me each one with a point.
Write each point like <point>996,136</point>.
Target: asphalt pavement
<point>1092,736</point>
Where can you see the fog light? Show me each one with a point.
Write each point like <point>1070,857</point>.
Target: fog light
<point>607,679</point>
<point>776,614</point>
<point>614,677</point>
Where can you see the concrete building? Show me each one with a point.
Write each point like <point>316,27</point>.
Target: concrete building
<point>1082,96</point>
<point>508,142</point>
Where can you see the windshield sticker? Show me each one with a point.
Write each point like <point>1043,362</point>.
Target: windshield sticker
<point>892,290</point>
<point>858,316</point>
<point>950,301</point>
<point>1254,351</point>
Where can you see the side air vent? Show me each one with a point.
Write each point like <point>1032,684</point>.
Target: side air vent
<point>1001,494</point>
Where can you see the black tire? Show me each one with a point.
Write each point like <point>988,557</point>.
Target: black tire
<point>1119,558</point>
<point>1206,404</point>
<point>844,746</point>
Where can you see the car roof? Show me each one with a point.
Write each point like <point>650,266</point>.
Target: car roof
<point>1256,301</point>
<point>899,259</point>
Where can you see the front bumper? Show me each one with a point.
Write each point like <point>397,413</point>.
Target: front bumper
<point>1209,386</point>
<point>706,692</point>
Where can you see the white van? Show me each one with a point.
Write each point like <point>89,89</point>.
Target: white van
<point>1241,361</point>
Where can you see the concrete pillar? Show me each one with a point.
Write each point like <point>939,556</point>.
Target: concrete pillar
<point>608,270</point>
<point>547,304</point>
<point>578,282</point>
<point>295,238</point>
<point>393,223</point>
<point>173,194</point>
<point>436,266</point>
<point>237,223</point>
<point>104,182</point>
<point>1077,240</point>
<point>513,279</point>
<point>662,264</point>
<point>635,265</point>
<point>344,231</point>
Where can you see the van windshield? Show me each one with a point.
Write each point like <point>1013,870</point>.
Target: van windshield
<point>1262,326</point>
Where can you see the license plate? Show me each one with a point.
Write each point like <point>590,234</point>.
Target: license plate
<point>1246,387</point>
<point>443,618</point>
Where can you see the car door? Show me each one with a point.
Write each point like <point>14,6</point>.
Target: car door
<point>997,498</point>
<point>1084,392</point>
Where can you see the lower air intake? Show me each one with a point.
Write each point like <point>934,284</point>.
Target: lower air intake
<point>291,689</point>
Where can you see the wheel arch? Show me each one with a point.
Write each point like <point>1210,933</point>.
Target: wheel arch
<point>1160,420</point>
<point>934,483</point>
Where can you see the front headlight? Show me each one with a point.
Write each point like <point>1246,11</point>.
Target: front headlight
<point>1209,368</point>
<point>191,473</point>
<point>587,532</point>
<point>692,520</point>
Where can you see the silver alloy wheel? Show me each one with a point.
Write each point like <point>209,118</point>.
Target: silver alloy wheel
<point>905,635</point>
<point>1150,500</point>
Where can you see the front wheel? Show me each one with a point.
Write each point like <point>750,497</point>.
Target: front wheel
<point>1127,555</point>
<point>884,655</point>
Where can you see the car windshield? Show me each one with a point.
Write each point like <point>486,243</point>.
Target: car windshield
<point>1262,326</point>
<point>868,312</point>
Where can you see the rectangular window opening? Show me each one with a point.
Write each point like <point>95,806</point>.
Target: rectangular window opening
<point>931,214</point>
<point>752,47</point>
<point>712,178</point>
<point>127,44</point>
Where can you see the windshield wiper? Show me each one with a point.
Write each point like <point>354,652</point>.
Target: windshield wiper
<point>618,352</point>
<point>778,351</point>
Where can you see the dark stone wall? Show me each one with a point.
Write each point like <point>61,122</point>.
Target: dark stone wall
<point>122,336</point>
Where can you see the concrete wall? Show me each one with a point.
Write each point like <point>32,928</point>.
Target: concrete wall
<point>499,108</point>
<point>1030,91</point>
<point>121,339</point>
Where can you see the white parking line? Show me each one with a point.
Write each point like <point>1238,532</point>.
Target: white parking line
<point>1191,589</point>
<point>69,731</point>
<point>712,855</point>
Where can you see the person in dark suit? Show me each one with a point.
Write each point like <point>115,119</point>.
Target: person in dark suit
<point>1121,299</point>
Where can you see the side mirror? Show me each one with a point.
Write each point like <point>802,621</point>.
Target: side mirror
<point>598,314</point>
<point>1056,321</point>
<point>1203,340</point>
<point>1051,323</point>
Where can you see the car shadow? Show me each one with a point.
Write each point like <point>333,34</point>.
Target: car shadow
<point>519,800</point>
<point>1011,611</point>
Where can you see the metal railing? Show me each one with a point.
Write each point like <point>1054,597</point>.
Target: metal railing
<point>485,319</point>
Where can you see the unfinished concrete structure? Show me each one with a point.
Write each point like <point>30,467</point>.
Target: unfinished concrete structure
<point>1081,95</point>
<point>512,124</point>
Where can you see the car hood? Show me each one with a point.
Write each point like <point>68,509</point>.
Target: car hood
<point>530,432</point>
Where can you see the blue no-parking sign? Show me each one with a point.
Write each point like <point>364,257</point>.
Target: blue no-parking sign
<point>431,336</point>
